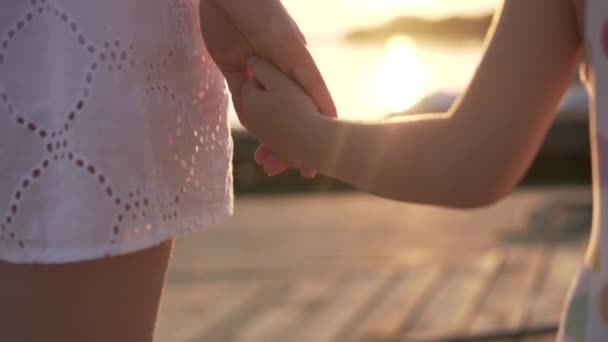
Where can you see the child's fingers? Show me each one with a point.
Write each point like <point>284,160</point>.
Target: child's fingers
<point>264,156</point>
<point>251,90</point>
<point>262,153</point>
<point>273,165</point>
<point>308,172</point>
<point>267,74</point>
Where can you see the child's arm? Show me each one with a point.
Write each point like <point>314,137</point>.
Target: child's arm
<point>469,157</point>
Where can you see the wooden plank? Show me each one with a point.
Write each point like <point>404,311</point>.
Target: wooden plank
<point>387,315</point>
<point>189,311</point>
<point>548,338</point>
<point>548,300</point>
<point>457,295</point>
<point>347,301</point>
<point>228,329</point>
<point>304,298</point>
<point>504,306</point>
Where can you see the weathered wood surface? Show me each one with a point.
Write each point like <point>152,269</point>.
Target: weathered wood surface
<point>355,268</point>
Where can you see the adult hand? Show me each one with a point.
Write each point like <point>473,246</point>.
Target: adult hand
<point>235,30</point>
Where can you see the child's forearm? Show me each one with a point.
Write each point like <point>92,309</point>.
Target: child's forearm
<point>470,158</point>
<point>423,159</point>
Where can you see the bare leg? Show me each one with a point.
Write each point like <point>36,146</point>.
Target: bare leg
<point>114,299</point>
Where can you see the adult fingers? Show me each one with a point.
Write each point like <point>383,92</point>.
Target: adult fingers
<point>296,61</point>
<point>235,83</point>
<point>280,41</point>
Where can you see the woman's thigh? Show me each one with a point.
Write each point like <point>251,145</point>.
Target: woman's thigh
<point>114,299</point>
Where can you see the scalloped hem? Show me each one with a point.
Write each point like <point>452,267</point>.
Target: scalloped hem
<point>158,234</point>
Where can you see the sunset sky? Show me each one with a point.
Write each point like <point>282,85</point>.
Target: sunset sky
<point>368,81</point>
<point>328,15</point>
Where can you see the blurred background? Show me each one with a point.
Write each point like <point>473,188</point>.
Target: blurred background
<point>314,260</point>
<point>377,61</point>
<point>383,58</point>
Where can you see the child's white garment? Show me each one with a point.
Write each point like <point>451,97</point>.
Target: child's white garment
<point>113,130</point>
<point>585,318</point>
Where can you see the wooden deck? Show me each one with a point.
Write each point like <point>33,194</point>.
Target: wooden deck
<point>271,275</point>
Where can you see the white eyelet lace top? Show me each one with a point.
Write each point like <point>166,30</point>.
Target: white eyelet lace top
<point>113,128</point>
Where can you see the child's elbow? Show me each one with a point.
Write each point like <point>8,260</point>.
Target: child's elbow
<point>485,200</point>
<point>483,196</point>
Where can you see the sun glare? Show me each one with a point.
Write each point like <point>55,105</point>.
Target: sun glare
<point>401,77</point>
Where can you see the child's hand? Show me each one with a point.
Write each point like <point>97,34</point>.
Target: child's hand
<point>274,165</point>
<point>273,106</point>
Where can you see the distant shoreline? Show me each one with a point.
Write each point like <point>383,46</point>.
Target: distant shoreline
<point>449,29</point>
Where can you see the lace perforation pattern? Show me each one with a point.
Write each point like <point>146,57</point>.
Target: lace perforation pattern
<point>191,131</point>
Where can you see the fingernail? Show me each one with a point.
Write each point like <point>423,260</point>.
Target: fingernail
<point>268,172</point>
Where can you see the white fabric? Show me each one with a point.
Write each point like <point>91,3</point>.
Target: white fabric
<point>113,128</point>
<point>585,318</point>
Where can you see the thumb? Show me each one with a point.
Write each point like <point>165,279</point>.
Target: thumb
<point>250,91</point>
<point>269,76</point>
